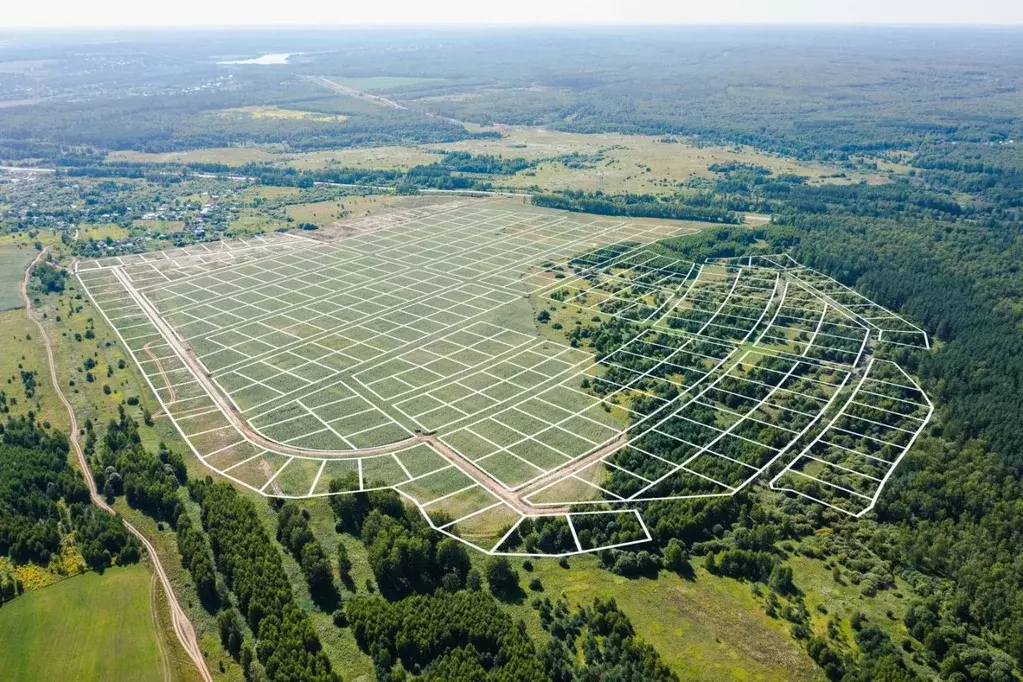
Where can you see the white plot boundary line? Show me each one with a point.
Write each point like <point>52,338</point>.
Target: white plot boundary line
<point>698,335</point>
<point>707,448</point>
<point>841,413</point>
<point>290,458</point>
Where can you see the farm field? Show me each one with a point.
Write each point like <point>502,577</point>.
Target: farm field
<point>634,163</point>
<point>91,626</point>
<point>13,261</point>
<point>449,352</point>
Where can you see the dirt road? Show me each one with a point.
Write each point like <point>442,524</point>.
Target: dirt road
<point>351,92</point>
<point>184,351</point>
<point>182,626</point>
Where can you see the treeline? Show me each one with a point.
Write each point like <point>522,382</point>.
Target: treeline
<point>287,646</point>
<point>294,533</point>
<point>194,548</point>
<point>43,500</point>
<point>748,188</point>
<point>122,466</point>
<point>452,637</point>
<point>635,206</point>
<point>454,172</point>
<point>466,162</point>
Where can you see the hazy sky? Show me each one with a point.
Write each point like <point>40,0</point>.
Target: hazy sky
<point>97,13</point>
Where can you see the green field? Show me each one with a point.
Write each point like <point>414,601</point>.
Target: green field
<point>13,262</point>
<point>91,627</point>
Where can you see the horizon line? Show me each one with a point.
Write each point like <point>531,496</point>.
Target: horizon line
<point>276,25</point>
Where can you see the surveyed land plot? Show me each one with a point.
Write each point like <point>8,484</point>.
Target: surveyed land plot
<point>300,368</point>
<point>408,355</point>
<point>779,393</point>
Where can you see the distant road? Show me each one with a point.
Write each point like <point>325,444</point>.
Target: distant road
<point>375,99</point>
<point>24,169</point>
<point>350,92</point>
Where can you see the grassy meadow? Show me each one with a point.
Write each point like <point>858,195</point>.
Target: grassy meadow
<point>13,261</point>
<point>90,627</point>
<point>610,161</point>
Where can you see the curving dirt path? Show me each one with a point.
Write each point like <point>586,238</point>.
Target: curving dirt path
<point>163,373</point>
<point>511,497</point>
<point>165,671</point>
<point>182,626</point>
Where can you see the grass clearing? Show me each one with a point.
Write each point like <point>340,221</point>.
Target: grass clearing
<point>90,627</point>
<point>28,355</point>
<point>274,112</point>
<point>103,231</point>
<point>13,261</point>
<point>634,163</point>
<point>706,629</point>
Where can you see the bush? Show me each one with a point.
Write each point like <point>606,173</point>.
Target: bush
<point>500,575</point>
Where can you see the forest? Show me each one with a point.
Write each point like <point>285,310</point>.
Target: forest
<point>43,500</point>
<point>826,93</point>
<point>953,510</point>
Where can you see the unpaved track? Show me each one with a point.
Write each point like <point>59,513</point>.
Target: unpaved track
<point>188,356</point>
<point>514,499</point>
<point>172,394</point>
<point>352,92</point>
<point>571,468</point>
<point>185,352</point>
<point>182,626</point>
<point>154,596</point>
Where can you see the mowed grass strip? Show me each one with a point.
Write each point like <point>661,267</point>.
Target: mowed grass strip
<point>90,627</point>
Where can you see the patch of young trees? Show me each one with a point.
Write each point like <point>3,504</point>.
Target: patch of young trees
<point>406,555</point>
<point>52,279</point>
<point>608,642</point>
<point>294,533</point>
<point>148,481</point>
<point>287,646</point>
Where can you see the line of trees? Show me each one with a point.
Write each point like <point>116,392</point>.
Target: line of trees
<point>635,206</point>
<point>287,646</point>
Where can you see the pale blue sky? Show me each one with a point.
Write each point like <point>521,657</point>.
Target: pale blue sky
<point>112,13</point>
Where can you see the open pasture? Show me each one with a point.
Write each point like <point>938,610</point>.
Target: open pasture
<point>409,355</point>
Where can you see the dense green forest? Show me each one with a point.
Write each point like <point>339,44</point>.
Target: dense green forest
<point>953,509</point>
<point>827,92</point>
<point>43,501</point>
<point>214,116</point>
